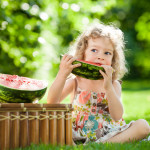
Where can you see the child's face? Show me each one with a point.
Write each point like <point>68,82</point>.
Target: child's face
<point>99,50</point>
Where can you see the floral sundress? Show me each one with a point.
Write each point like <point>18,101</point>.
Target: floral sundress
<point>91,118</point>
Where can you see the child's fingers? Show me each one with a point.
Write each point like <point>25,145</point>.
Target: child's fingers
<point>71,60</point>
<point>67,57</point>
<point>64,56</point>
<point>76,65</point>
<point>108,69</point>
<point>103,74</point>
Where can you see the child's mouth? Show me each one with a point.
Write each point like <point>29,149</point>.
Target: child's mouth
<point>98,63</point>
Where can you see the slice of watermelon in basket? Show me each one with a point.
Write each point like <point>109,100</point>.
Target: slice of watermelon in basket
<point>16,89</point>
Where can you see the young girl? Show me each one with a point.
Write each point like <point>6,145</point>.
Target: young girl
<point>98,108</point>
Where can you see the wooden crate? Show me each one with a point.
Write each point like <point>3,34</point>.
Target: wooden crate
<point>24,123</point>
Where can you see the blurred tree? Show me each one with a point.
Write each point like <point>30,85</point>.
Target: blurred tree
<point>20,26</point>
<point>133,17</point>
<point>35,33</point>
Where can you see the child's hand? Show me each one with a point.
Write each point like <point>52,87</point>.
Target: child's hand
<point>66,65</point>
<point>107,76</point>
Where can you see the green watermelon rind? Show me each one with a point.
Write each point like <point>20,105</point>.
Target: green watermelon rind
<point>10,95</point>
<point>88,71</point>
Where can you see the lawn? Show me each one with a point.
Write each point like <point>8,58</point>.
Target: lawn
<point>136,101</point>
<point>127,146</point>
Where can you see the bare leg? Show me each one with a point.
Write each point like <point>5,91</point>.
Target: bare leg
<point>138,130</point>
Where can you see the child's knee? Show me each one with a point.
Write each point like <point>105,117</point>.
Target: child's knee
<point>142,127</point>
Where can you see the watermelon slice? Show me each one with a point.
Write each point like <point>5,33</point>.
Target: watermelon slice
<point>16,89</point>
<point>88,70</point>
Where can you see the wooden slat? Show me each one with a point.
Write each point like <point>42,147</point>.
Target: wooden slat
<point>61,129</point>
<point>5,132</point>
<point>33,129</point>
<point>53,128</point>
<point>44,128</point>
<point>23,130</point>
<point>14,131</point>
<point>31,105</point>
<point>68,129</point>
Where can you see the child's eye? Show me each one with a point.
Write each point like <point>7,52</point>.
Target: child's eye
<point>107,53</point>
<point>94,50</point>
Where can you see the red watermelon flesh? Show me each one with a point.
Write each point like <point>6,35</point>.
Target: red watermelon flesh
<point>21,83</point>
<point>89,62</point>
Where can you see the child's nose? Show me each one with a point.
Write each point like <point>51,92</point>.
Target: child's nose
<point>100,57</point>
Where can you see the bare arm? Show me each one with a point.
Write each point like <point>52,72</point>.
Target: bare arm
<point>60,88</point>
<point>114,101</point>
<point>113,93</point>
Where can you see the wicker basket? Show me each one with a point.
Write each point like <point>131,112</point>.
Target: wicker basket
<point>24,123</point>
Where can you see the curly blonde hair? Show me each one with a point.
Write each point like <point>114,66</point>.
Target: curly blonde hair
<point>115,35</point>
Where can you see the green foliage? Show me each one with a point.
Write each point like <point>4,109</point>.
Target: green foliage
<point>35,33</point>
<point>133,18</point>
<point>20,28</point>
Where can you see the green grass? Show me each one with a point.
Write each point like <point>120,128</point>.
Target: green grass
<point>136,101</point>
<point>136,105</point>
<point>127,146</point>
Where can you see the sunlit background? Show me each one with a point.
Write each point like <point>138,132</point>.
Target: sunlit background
<point>33,34</point>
